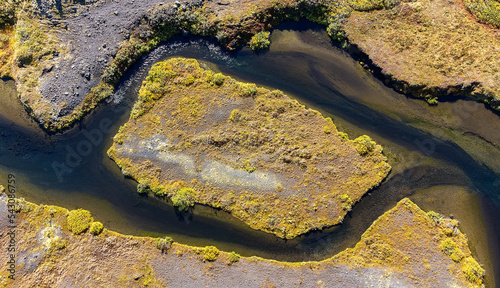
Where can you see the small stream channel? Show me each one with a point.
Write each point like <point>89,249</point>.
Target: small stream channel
<point>444,158</point>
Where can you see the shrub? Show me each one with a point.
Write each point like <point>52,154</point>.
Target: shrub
<point>79,221</point>
<point>448,246</point>
<point>260,41</point>
<point>218,79</point>
<point>234,257</point>
<point>336,31</point>
<point>184,199</point>
<point>237,116</point>
<point>364,144</point>
<point>143,188</point>
<point>434,216</point>
<point>164,243</point>
<point>210,253</point>
<point>329,127</point>
<point>247,89</point>
<point>96,228</point>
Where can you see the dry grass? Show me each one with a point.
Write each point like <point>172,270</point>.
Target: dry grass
<point>432,45</point>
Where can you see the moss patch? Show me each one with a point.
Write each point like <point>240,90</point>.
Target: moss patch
<point>430,49</point>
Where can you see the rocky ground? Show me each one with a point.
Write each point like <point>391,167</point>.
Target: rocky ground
<point>49,255</point>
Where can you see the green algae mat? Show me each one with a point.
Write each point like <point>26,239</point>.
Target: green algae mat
<point>196,136</point>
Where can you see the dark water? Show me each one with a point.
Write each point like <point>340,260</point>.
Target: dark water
<point>432,165</point>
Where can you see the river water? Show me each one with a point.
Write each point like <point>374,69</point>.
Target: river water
<point>444,158</point>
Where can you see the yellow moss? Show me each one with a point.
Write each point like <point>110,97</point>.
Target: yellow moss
<point>473,271</point>
<point>96,228</point>
<point>260,41</point>
<point>210,253</point>
<point>79,221</point>
<point>238,136</point>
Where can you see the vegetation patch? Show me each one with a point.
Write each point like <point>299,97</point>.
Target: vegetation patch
<point>164,244</point>
<point>260,41</point>
<point>403,243</point>
<point>431,48</point>
<point>79,221</point>
<point>251,151</point>
<point>96,228</point>
<point>210,253</point>
<point>486,11</point>
<point>183,199</point>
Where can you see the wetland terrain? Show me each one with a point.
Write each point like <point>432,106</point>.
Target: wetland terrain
<point>207,157</point>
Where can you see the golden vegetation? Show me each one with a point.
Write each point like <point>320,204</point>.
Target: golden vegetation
<point>486,11</point>
<point>405,242</point>
<point>79,221</point>
<point>253,152</point>
<point>432,47</point>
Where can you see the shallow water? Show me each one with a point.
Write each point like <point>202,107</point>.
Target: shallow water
<point>444,158</point>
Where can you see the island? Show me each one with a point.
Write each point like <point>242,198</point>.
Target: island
<point>195,136</point>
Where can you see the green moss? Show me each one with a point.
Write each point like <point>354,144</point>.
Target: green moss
<point>486,11</point>
<point>218,79</point>
<point>247,166</point>
<point>183,199</point>
<point>210,253</point>
<point>58,244</point>
<point>435,216</point>
<point>260,41</point>
<point>143,187</point>
<point>96,228</point>
<point>79,221</point>
<point>329,127</point>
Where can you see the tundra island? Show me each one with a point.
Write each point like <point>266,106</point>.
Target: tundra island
<point>196,136</point>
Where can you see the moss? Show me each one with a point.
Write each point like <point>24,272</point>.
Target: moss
<point>164,244</point>
<point>234,257</point>
<point>256,133</point>
<point>260,41</point>
<point>210,253</point>
<point>364,144</point>
<point>218,79</point>
<point>487,12</point>
<point>329,127</point>
<point>183,199</point>
<point>79,221</point>
<point>96,228</point>
<point>143,187</point>
<point>473,271</point>
<point>435,216</point>
<point>237,116</point>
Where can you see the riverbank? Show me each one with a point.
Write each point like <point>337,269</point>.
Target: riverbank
<point>91,46</point>
<point>48,253</point>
